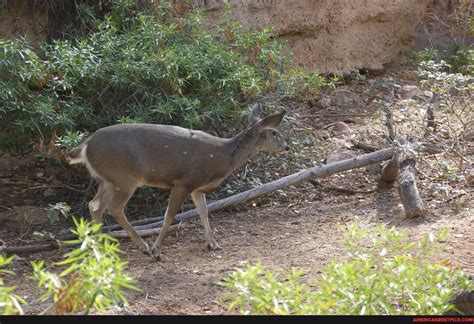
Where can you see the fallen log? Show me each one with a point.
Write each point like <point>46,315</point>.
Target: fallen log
<point>54,245</point>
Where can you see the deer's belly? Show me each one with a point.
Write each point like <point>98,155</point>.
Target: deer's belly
<point>211,186</point>
<point>156,183</point>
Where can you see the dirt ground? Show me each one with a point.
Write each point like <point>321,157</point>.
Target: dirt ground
<point>296,227</point>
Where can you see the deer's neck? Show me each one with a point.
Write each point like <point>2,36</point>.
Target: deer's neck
<point>243,147</point>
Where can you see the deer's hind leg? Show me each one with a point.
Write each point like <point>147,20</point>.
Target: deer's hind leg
<point>120,197</point>
<point>101,200</point>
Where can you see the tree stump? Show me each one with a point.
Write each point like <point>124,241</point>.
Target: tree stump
<point>407,189</point>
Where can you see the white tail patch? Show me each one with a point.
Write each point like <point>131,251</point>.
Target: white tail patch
<point>81,158</point>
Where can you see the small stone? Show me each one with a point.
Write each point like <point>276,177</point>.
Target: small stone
<point>408,91</point>
<point>341,127</point>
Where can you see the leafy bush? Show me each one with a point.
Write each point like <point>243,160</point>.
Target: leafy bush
<point>94,277</point>
<point>436,77</point>
<point>138,67</point>
<point>384,273</point>
<point>9,301</point>
<point>455,59</point>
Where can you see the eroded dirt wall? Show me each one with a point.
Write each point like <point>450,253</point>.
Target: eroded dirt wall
<point>333,35</point>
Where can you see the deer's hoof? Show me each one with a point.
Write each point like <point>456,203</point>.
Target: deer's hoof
<point>213,246</point>
<point>156,255</point>
<point>145,249</point>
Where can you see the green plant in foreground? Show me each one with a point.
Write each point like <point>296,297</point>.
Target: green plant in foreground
<point>94,277</point>
<point>383,273</point>
<point>9,301</point>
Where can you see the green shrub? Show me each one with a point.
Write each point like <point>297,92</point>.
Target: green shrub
<point>10,303</point>
<point>135,66</point>
<point>94,277</point>
<point>383,273</point>
<point>455,59</point>
<point>426,54</point>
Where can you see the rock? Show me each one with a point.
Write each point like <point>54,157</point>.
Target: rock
<point>408,91</point>
<point>339,156</point>
<point>341,127</point>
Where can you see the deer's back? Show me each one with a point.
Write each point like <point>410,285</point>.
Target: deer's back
<point>160,155</point>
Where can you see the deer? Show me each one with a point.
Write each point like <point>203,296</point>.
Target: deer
<point>124,157</point>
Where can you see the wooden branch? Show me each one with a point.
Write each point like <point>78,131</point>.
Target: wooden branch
<point>407,189</point>
<point>31,248</point>
<point>389,123</point>
<point>145,232</point>
<point>54,245</point>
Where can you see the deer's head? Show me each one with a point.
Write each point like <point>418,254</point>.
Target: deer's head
<point>268,138</point>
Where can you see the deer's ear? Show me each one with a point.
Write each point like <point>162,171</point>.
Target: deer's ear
<point>256,112</point>
<point>271,121</point>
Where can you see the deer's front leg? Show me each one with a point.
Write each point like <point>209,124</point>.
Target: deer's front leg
<point>199,200</point>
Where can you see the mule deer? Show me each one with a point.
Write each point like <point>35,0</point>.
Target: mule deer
<point>189,162</point>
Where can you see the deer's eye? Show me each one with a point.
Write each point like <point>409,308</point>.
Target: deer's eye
<point>274,133</point>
